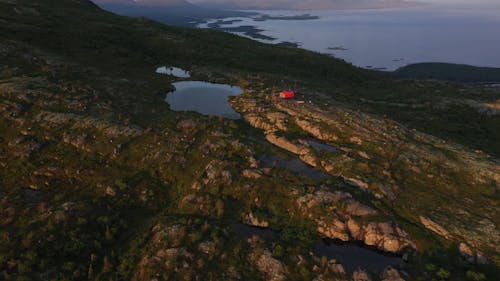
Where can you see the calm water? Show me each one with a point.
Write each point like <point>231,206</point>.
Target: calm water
<point>392,38</point>
<point>350,255</point>
<point>295,166</point>
<point>248,231</point>
<point>174,71</point>
<point>203,97</point>
<point>322,146</point>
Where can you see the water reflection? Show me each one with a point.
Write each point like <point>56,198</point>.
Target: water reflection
<point>203,97</point>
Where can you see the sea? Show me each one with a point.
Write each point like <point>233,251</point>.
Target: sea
<point>387,39</point>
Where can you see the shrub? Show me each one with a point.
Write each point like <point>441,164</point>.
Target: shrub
<point>430,267</point>
<point>475,276</point>
<point>443,273</point>
<point>278,251</point>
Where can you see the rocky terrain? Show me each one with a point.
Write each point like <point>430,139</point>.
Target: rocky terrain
<point>390,162</point>
<point>100,180</point>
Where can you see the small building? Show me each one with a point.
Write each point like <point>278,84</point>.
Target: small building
<point>287,95</point>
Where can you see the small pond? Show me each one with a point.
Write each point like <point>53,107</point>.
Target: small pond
<point>174,71</point>
<point>31,197</point>
<point>248,231</point>
<point>295,166</point>
<point>203,97</point>
<point>353,256</point>
<point>323,146</point>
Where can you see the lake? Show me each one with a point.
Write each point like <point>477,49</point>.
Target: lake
<point>203,97</point>
<point>388,38</point>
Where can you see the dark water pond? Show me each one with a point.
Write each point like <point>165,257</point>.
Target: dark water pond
<point>323,146</point>
<point>248,231</point>
<point>31,197</point>
<point>353,256</point>
<point>203,97</point>
<point>295,166</point>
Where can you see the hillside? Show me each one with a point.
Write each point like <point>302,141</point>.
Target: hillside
<point>449,71</point>
<point>101,180</point>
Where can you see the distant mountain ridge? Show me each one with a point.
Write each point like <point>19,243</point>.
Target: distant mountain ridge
<point>173,12</point>
<point>449,71</point>
<point>305,5</point>
<point>155,3</point>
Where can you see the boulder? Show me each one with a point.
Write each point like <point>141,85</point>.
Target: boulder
<point>335,267</point>
<point>466,252</point>
<point>391,274</point>
<point>472,255</point>
<point>383,235</point>
<point>285,144</point>
<point>252,173</point>
<point>110,191</point>
<point>272,268</point>
<point>356,182</point>
<point>357,209</point>
<point>360,275</point>
<point>279,119</point>
<point>259,122</point>
<point>250,219</point>
<point>315,130</point>
<point>434,227</point>
<point>207,247</point>
<point>309,158</point>
<point>333,228</point>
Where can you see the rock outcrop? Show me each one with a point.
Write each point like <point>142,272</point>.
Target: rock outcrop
<point>344,224</point>
<point>391,274</point>
<point>386,159</point>
<point>272,268</point>
<point>434,227</point>
<point>252,220</point>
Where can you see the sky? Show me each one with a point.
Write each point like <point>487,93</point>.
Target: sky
<point>304,4</point>
<point>308,4</point>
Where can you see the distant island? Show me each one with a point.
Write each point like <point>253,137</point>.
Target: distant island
<point>217,24</point>
<point>264,17</point>
<point>289,44</point>
<point>449,71</point>
<point>339,48</point>
<point>253,31</point>
<point>248,30</point>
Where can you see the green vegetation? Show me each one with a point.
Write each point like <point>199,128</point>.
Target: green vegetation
<point>100,180</point>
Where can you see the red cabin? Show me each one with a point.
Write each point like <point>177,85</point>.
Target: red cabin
<point>287,95</point>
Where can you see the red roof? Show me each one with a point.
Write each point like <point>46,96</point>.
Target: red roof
<point>287,94</point>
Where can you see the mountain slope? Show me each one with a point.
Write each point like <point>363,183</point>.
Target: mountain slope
<point>100,180</point>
